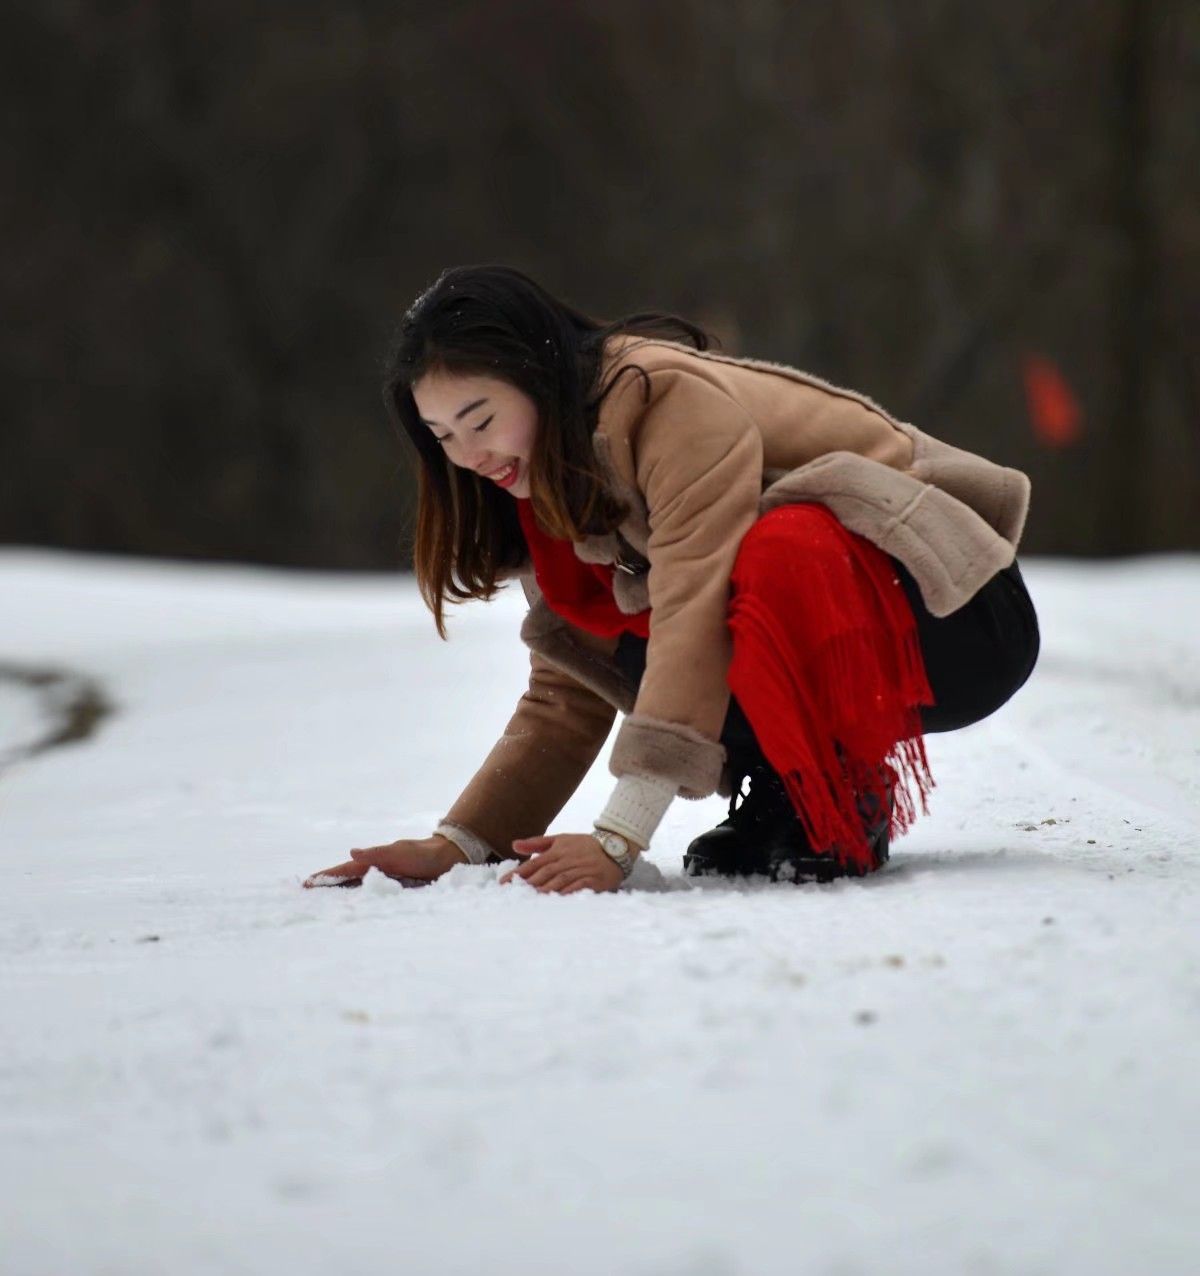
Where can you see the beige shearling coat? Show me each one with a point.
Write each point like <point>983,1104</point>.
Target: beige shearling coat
<point>719,442</point>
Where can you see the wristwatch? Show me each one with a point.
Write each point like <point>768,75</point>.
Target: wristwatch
<point>617,848</point>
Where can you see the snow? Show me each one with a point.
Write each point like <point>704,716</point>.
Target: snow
<point>982,1060</point>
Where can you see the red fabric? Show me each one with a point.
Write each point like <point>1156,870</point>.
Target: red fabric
<point>827,664</point>
<point>821,623</point>
<point>577,591</point>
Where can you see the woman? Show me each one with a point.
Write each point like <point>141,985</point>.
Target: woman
<point>776,582</point>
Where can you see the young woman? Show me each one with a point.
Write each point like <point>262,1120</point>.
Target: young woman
<point>780,585</point>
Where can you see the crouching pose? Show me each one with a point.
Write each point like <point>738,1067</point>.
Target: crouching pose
<point>781,587</point>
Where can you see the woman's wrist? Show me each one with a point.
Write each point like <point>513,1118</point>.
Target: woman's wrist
<point>472,848</point>
<point>446,852</point>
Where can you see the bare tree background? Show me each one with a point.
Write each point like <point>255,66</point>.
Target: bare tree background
<point>214,213</point>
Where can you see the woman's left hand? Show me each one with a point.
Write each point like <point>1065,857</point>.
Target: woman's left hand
<point>565,862</point>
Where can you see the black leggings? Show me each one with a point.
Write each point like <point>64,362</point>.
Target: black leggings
<point>979,656</point>
<point>976,658</point>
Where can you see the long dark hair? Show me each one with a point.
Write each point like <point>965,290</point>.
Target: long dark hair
<point>496,321</point>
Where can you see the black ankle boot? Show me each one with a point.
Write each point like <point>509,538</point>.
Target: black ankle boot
<point>804,864</point>
<point>760,822</point>
<point>761,835</point>
<point>807,865</point>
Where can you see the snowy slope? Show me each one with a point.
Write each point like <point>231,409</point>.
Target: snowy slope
<point>984,1059</point>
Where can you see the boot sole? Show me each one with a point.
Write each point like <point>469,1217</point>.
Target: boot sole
<point>795,869</point>
<point>822,868</point>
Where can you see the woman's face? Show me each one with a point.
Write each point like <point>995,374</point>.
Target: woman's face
<point>482,423</point>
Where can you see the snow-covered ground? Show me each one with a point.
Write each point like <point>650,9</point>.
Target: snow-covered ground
<point>985,1059</point>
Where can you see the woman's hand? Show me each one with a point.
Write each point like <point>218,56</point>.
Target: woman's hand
<point>409,860</point>
<point>565,862</point>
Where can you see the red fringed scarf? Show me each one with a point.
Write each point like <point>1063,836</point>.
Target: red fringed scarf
<point>830,634</point>
<point>579,592</point>
<point>827,664</point>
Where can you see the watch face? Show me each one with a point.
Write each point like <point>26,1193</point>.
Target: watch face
<point>614,843</point>
<point>618,849</point>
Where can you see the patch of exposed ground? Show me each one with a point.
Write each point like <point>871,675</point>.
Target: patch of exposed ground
<point>71,706</point>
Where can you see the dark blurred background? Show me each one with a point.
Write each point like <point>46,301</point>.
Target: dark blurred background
<point>983,213</point>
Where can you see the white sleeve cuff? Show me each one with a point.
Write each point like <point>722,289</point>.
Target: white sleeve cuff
<point>474,848</point>
<point>637,806</point>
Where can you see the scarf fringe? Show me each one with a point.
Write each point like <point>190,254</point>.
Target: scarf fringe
<point>821,627</point>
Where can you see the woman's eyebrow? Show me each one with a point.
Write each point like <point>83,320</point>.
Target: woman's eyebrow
<point>462,412</point>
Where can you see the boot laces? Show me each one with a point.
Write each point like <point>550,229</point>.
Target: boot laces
<point>757,795</point>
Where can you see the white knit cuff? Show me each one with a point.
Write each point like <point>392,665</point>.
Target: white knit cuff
<point>637,806</point>
<point>473,847</point>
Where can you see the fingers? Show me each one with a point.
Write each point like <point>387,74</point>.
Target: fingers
<point>348,874</point>
<point>554,877</point>
<point>540,873</point>
<point>572,879</point>
<point>557,879</point>
<point>582,885</point>
<point>405,861</point>
<point>545,865</point>
<point>531,866</point>
<point>531,845</point>
<point>539,862</point>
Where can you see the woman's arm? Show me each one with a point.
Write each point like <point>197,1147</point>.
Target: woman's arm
<point>548,746</point>
<point>697,464</point>
<point>697,461</point>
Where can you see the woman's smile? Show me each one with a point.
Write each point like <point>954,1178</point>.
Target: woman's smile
<point>506,476</point>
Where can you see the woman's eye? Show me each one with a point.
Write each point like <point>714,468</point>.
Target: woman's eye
<point>446,438</point>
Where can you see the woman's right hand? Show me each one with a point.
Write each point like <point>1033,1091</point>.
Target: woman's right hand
<point>409,860</point>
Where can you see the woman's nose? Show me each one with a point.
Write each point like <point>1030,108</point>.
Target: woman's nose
<point>480,462</point>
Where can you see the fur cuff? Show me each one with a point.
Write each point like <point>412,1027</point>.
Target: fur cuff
<point>668,751</point>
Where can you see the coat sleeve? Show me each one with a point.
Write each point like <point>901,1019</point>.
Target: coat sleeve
<point>698,461</point>
<point>548,746</point>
